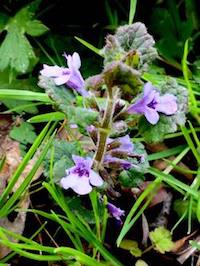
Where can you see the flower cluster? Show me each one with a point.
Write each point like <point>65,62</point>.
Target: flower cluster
<point>113,152</point>
<point>81,177</point>
<point>118,148</point>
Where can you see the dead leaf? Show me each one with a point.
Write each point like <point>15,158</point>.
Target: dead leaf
<point>162,165</point>
<point>145,230</point>
<point>181,242</point>
<point>160,195</point>
<point>11,150</point>
<point>188,251</point>
<point>17,226</point>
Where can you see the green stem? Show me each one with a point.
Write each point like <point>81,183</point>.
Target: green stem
<point>104,130</point>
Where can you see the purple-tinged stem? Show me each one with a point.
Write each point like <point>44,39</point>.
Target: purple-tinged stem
<point>104,129</point>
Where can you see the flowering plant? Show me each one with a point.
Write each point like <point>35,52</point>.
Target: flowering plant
<point>115,167</point>
<point>112,150</point>
<point>103,115</point>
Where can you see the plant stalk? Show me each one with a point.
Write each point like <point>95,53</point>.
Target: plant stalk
<point>104,130</point>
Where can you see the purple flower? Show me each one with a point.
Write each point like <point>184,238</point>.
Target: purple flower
<point>151,103</point>
<point>125,144</point>
<point>116,163</point>
<point>80,177</point>
<point>73,126</point>
<point>120,147</point>
<point>70,76</point>
<point>115,211</point>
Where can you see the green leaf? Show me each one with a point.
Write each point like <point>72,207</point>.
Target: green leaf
<point>81,116</point>
<point>35,28</point>
<point>166,124</point>
<point>16,52</point>
<point>161,239</point>
<point>132,246</point>
<point>77,207</point>
<point>3,20</point>
<point>62,96</point>
<point>89,46</point>
<point>24,133</point>
<point>64,100</point>
<point>198,210</point>
<point>63,152</point>
<point>136,252</point>
<point>171,29</point>
<point>133,4</point>
<point>181,207</point>
<point>128,244</point>
<point>128,42</point>
<point>53,116</point>
<point>141,263</point>
<point>20,106</point>
<point>135,175</point>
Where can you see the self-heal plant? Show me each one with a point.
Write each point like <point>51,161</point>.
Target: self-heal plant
<point>80,177</point>
<point>151,104</point>
<point>70,76</point>
<point>105,124</point>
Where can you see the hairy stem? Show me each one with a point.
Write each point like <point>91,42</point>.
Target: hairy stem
<point>104,130</point>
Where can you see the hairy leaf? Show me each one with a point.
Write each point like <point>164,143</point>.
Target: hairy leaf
<point>135,175</point>
<point>63,152</point>
<point>64,100</point>
<point>24,133</point>
<point>133,44</point>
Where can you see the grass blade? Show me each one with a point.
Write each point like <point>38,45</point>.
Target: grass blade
<point>25,95</point>
<point>133,4</point>
<point>89,46</point>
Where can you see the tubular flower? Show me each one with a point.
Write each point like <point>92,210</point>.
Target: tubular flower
<point>118,148</point>
<point>115,211</point>
<point>80,177</point>
<point>123,144</point>
<point>70,76</point>
<point>151,104</point>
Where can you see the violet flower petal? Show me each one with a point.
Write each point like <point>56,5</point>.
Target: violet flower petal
<point>80,177</point>
<point>167,104</point>
<point>61,79</point>
<point>52,71</point>
<point>78,159</point>
<point>82,187</point>
<point>95,179</point>
<point>73,61</point>
<point>116,163</point>
<point>70,76</point>
<point>149,93</point>
<point>76,60</point>
<point>151,103</point>
<point>151,115</point>
<point>115,211</point>
<point>126,144</point>
<point>137,107</point>
<point>69,181</point>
